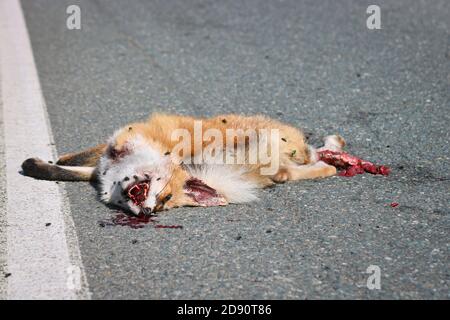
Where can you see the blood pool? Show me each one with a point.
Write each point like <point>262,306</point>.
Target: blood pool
<point>351,165</point>
<point>136,222</point>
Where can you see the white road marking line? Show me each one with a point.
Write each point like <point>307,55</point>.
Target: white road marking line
<point>44,262</point>
<point>3,255</point>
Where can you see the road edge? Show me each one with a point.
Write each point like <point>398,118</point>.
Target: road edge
<point>43,260</point>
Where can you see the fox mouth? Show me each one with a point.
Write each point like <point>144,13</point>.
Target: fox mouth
<point>138,192</point>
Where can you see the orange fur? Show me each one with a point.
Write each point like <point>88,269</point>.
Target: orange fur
<point>296,160</point>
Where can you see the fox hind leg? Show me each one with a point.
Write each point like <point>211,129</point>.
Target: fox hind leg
<point>317,169</point>
<point>40,169</point>
<point>300,172</point>
<point>85,158</point>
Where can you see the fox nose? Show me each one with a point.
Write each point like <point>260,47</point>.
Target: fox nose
<point>147,211</point>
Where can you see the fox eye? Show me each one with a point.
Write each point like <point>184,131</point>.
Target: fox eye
<point>168,197</point>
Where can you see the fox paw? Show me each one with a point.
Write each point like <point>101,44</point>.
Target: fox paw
<point>34,167</point>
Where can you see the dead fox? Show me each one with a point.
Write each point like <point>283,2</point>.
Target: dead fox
<point>162,163</point>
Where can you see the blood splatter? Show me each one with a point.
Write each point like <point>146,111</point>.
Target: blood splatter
<point>161,226</point>
<point>394,204</point>
<point>116,154</point>
<point>136,222</point>
<point>351,165</point>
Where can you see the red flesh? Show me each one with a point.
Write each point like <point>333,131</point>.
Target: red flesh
<point>138,192</point>
<point>351,165</point>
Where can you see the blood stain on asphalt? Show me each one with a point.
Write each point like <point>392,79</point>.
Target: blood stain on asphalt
<point>394,204</point>
<point>136,222</point>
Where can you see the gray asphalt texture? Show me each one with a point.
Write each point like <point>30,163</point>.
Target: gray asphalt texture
<point>313,64</point>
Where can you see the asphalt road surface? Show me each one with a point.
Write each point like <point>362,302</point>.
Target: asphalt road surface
<point>313,64</point>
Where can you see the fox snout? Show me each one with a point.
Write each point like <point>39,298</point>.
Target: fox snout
<point>138,192</point>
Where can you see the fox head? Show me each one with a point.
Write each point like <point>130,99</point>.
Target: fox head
<point>137,175</point>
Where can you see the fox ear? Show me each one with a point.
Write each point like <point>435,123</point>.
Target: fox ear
<point>202,194</point>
